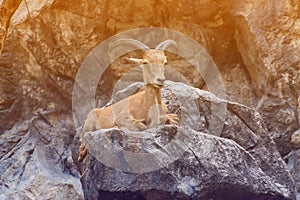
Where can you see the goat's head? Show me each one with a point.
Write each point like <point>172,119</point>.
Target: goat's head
<point>153,64</point>
<point>153,61</point>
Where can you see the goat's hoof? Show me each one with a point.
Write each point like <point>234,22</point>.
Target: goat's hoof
<point>140,125</point>
<point>170,119</point>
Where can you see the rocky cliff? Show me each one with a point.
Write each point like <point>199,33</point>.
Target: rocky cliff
<point>255,45</point>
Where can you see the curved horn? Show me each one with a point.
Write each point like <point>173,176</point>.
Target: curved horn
<point>133,42</point>
<point>165,44</point>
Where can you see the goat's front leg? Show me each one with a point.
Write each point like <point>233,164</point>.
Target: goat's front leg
<point>168,118</point>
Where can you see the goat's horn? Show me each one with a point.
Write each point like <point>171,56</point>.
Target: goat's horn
<point>133,42</point>
<point>165,44</point>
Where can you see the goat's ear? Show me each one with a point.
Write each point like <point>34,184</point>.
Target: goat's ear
<point>136,60</point>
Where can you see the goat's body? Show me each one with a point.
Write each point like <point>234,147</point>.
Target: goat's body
<point>139,111</point>
<point>131,113</point>
<point>126,112</point>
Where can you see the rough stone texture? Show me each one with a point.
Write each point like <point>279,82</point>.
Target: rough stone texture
<point>268,39</point>
<point>294,160</point>
<point>255,44</point>
<point>271,50</point>
<point>294,167</point>
<point>295,140</point>
<point>207,157</point>
<point>7,9</point>
<point>225,172</point>
<point>36,159</point>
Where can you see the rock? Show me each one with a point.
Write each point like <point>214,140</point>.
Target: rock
<point>228,171</point>
<point>295,141</point>
<point>36,160</point>
<point>294,167</point>
<point>267,29</point>
<point>193,165</point>
<point>7,9</point>
<point>267,39</point>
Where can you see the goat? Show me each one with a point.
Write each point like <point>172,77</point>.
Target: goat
<point>142,110</point>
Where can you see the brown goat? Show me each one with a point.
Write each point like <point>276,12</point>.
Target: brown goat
<point>139,111</point>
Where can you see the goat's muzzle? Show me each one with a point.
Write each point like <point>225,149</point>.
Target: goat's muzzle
<point>159,82</point>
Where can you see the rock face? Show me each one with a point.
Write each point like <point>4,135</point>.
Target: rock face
<point>7,10</point>
<point>294,167</point>
<point>254,43</point>
<point>294,160</point>
<point>36,160</point>
<point>268,41</point>
<point>204,166</point>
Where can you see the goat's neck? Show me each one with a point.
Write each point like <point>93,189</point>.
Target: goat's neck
<point>153,95</point>
<point>152,103</point>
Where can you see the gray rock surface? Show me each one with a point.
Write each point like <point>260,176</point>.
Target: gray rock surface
<point>36,160</point>
<point>228,171</point>
<point>294,167</point>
